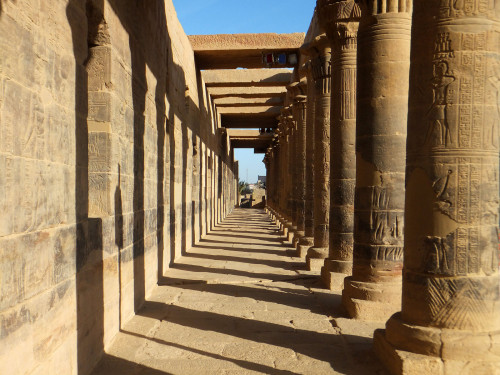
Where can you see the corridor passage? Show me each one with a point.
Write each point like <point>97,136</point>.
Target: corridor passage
<point>239,303</point>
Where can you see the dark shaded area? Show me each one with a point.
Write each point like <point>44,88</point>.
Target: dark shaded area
<point>184,208</point>
<point>173,217</point>
<point>84,18</point>
<point>119,239</point>
<point>139,89</point>
<point>117,365</point>
<point>160,169</point>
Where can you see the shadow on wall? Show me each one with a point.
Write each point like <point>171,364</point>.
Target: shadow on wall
<point>150,49</point>
<point>89,242</point>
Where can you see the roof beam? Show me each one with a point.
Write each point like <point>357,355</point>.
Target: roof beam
<point>249,138</point>
<point>230,51</point>
<point>249,121</point>
<point>252,102</point>
<point>271,110</point>
<point>247,92</point>
<point>247,77</point>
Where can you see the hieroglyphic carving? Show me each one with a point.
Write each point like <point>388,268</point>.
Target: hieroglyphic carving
<point>438,112</point>
<point>386,224</point>
<point>348,88</point>
<point>388,253</point>
<point>493,117</point>
<point>99,149</point>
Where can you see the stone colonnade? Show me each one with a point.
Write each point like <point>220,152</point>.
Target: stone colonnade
<point>400,223</point>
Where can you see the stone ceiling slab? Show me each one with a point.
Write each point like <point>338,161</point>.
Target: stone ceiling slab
<point>274,110</point>
<point>230,51</point>
<point>249,121</point>
<point>252,102</point>
<point>247,77</point>
<point>247,92</point>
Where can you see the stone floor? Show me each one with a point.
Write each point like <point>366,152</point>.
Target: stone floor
<point>238,303</point>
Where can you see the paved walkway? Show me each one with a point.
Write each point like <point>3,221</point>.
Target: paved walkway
<point>238,303</point>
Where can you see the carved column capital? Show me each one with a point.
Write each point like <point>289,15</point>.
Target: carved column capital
<point>321,72</point>
<point>339,19</point>
<point>374,7</point>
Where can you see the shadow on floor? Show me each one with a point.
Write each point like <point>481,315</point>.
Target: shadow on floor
<point>321,346</point>
<point>243,364</point>
<point>293,293</point>
<point>114,365</point>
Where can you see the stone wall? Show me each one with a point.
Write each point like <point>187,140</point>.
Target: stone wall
<point>110,169</point>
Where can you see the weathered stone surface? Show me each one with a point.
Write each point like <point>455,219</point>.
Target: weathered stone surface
<point>450,309</point>
<point>247,77</point>
<point>382,92</point>
<point>340,21</point>
<point>96,149</point>
<point>278,322</point>
<point>230,51</point>
<point>321,72</point>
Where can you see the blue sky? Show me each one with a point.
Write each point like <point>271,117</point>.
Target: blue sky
<point>243,16</point>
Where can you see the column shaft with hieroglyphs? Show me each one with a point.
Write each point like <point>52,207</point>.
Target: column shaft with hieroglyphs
<point>374,290</point>
<point>299,114</point>
<point>450,310</point>
<point>321,71</point>
<point>340,20</point>
<point>307,240</point>
<point>291,167</point>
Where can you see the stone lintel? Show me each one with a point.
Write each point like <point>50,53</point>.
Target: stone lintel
<point>275,110</point>
<point>248,102</point>
<point>251,141</point>
<point>249,121</point>
<point>244,133</point>
<point>246,77</point>
<point>229,51</point>
<point>247,92</point>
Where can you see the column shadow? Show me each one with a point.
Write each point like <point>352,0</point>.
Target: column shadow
<point>84,19</point>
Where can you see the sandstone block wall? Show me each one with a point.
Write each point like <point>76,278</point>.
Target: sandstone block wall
<point>111,167</point>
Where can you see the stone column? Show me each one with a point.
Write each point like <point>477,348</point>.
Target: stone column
<point>299,115</point>
<point>283,141</point>
<point>373,292</point>
<point>267,163</point>
<point>291,180</point>
<point>274,188</point>
<point>308,240</point>
<point>340,20</point>
<point>450,319</point>
<point>274,177</point>
<point>322,78</point>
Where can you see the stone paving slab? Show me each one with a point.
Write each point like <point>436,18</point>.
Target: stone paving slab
<point>238,303</point>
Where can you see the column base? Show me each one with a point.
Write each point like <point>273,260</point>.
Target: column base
<point>296,237</point>
<point>283,231</point>
<point>289,234</point>
<point>371,301</point>
<point>334,272</point>
<point>305,243</point>
<point>410,350</point>
<point>315,258</point>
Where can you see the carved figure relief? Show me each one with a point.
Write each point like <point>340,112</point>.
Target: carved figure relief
<point>440,187</point>
<point>386,227</point>
<point>437,113</point>
<point>437,261</point>
<point>491,129</point>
